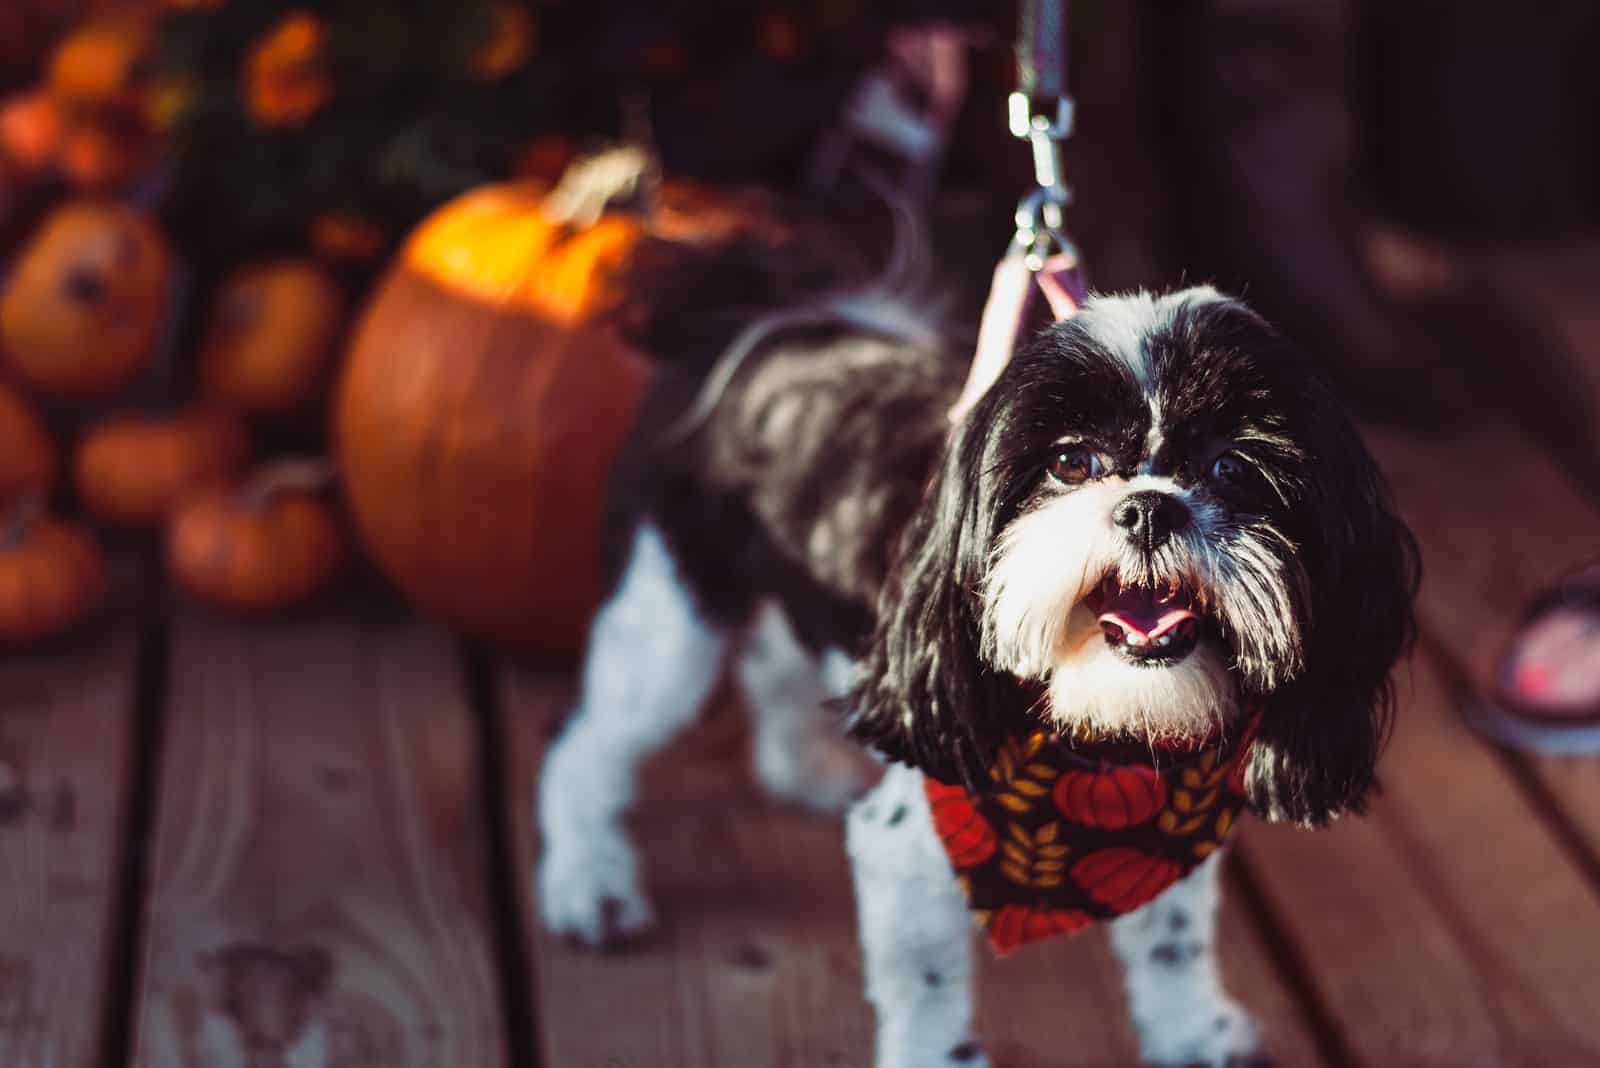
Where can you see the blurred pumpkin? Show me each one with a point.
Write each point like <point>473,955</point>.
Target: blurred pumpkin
<point>134,469</point>
<point>52,575</point>
<point>267,544</point>
<point>27,454</point>
<point>486,393</point>
<point>101,63</point>
<point>270,334</point>
<point>86,299</point>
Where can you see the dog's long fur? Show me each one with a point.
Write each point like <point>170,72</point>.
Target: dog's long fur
<point>824,494</point>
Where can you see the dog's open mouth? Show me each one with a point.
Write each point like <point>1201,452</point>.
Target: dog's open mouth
<point>1153,626</point>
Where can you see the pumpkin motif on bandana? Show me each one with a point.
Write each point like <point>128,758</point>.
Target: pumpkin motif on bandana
<point>1066,833</point>
<point>966,837</point>
<point>1124,878</point>
<point>1113,799</point>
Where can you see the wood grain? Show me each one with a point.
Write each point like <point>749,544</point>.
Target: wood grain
<point>1498,522</point>
<point>1450,927</point>
<point>757,961</point>
<point>318,883</point>
<point>65,734</point>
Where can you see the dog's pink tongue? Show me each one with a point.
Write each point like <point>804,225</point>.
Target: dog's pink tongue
<point>1144,616</point>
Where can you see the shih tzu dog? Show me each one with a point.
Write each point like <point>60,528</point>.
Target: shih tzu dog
<point>1152,577</point>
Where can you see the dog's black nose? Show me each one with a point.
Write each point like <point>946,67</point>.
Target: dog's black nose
<point>1150,518</point>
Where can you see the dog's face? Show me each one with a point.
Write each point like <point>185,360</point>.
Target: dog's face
<point>1156,517</point>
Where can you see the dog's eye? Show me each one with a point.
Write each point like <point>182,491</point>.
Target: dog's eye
<point>1228,468</point>
<point>1077,463</point>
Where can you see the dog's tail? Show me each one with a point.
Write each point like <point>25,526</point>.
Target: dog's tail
<point>899,305</point>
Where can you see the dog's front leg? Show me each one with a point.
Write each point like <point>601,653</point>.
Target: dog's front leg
<point>915,930</point>
<point>1169,960</point>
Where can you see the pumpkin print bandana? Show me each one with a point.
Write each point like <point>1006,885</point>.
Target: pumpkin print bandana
<point>1067,836</point>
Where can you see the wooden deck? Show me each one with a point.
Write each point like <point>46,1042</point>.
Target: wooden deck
<point>308,844</point>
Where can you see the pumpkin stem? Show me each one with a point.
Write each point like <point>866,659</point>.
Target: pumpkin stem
<point>19,519</point>
<point>593,183</point>
<point>305,474</point>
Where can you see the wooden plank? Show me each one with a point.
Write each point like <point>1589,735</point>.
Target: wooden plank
<point>1461,931</point>
<point>318,889</point>
<point>757,962</point>
<point>65,736</point>
<point>1498,523</point>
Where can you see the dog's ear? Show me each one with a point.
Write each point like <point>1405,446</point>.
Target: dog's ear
<point>1316,751</point>
<point>925,695</point>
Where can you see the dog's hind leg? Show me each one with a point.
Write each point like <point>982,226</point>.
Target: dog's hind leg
<point>1169,959</point>
<point>653,659</point>
<point>915,929</point>
<point>800,752</point>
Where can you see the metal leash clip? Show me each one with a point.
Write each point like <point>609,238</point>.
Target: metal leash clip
<point>1040,216</point>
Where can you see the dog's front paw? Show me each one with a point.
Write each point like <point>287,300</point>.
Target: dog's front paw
<point>590,893</point>
<point>1225,1038</point>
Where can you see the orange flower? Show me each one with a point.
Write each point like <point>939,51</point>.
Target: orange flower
<point>509,45</point>
<point>345,237</point>
<point>283,82</point>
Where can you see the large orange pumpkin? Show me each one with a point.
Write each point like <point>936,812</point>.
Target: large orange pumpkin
<point>267,544</point>
<point>270,334</point>
<point>485,396</point>
<point>134,469</point>
<point>52,575</point>
<point>86,300</point>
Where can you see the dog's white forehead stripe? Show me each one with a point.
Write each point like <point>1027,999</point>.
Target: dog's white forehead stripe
<point>1121,324</point>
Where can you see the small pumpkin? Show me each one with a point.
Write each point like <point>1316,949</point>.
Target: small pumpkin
<point>87,298</point>
<point>1123,878</point>
<point>1013,926</point>
<point>27,454</point>
<point>265,545</point>
<point>967,836</point>
<point>270,335</point>
<point>486,394</point>
<point>1118,797</point>
<point>52,575</point>
<point>133,469</point>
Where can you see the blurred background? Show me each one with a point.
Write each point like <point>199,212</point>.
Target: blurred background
<point>1401,185</point>
<point>321,323</point>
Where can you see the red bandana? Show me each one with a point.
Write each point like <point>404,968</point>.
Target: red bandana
<point>1065,837</point>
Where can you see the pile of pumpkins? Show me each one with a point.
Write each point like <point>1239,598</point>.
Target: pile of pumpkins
<point>484,393</point>
<point>87,311</point>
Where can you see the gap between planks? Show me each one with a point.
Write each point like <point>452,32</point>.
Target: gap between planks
<point>756,962</point>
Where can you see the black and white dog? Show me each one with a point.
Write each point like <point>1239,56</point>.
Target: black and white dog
<point>825,524</point>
